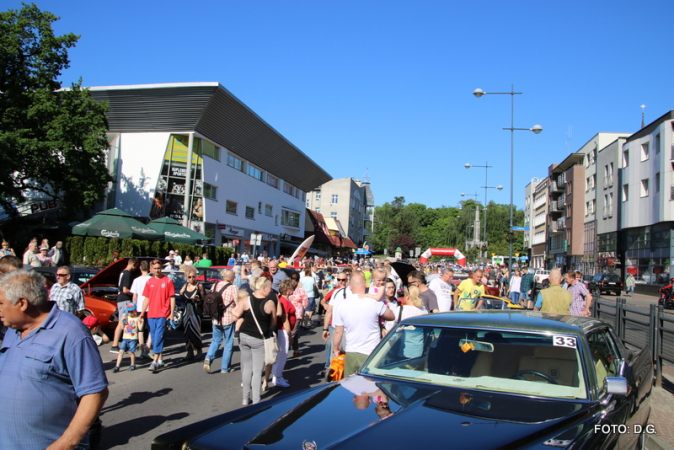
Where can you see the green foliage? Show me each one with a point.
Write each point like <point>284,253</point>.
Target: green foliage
<point>97,251</point>
<point>414,225</point>
<point>51,141</point>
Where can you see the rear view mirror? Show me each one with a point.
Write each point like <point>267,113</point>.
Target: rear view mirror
<point>616,385</point>
<point>467,345</point>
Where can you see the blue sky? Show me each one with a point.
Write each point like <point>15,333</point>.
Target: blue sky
<point>386,86</point>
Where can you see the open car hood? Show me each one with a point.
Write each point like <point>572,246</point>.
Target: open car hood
<point>332,416</point>
<point>109,276</point>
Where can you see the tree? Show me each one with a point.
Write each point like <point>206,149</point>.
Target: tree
<point>52,141</point>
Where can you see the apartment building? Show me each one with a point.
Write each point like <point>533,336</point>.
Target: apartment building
<point>538,224</point>
<point>346,200</point>
<point>566,213</point>
<point>646,196</point>
<point>609,163</point>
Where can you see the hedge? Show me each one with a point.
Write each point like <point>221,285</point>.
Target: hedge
<point>97,251</point>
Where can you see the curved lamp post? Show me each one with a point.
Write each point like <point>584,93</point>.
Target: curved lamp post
<point>536,129</point>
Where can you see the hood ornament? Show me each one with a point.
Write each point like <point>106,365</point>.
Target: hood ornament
<point>309,445</point>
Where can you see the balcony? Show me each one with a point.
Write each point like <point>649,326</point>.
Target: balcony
<point>367,217</point>
<point>561,224</point>
<point>561,180</point>
<point>561,201</point>
<point>554,208</point>
<point>552,228</point>
<point>554,187</point>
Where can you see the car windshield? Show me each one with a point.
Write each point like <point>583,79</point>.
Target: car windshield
<point>178,279</point>
<point>612,278</point>
<point>79,278</point>
<point>208,274</point>
<point>545,365</point>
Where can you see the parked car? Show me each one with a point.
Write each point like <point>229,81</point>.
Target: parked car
<point>488,379</point>
<point>541,274</point>
<point>100,304</point>
<point>606,282</point>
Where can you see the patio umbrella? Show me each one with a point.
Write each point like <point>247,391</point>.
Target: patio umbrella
<point>116,223</point>
<point>362,251</point>
<point>172,231</point>
<point>403,270</point>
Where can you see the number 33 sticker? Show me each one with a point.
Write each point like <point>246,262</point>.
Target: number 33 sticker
<point>564,341</point>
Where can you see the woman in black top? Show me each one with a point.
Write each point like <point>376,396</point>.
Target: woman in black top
<point>264,305</point>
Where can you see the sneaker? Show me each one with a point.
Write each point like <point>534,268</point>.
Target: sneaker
<point>132,367</point>
<point>281,382</point>
<point>207,365</point>
<point>160,364</point>
<point>115,369</point>
<point>114,349</point>
<point>153,367</point>
<point>246,402</point>
<point>145,355</point>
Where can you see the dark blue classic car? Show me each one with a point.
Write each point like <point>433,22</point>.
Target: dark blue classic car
<point>473,380</point>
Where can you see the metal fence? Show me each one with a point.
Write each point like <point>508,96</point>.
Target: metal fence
<point>640,329</point>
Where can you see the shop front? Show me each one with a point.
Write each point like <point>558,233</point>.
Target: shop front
<point>648,252</point>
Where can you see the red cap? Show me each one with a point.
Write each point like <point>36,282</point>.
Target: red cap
<point>91,322</point>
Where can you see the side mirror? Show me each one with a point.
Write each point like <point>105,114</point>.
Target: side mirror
<point>616,385</point>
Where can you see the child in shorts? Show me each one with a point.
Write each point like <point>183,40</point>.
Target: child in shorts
<point>132,325</point>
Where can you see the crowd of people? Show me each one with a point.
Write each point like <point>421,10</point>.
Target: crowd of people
<point>357,304</point>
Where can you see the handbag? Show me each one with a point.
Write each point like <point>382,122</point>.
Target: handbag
<point>270,345</point>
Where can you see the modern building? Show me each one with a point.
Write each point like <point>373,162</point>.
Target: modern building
<point>646,197</point>
<point>566,213</point>
<point>196,153</point>
<point>607,214</point>
<point>590,150</point>
<point>536,205</point>
<point>347,201</point>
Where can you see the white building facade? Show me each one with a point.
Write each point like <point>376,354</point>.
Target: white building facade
<point>195,153</point>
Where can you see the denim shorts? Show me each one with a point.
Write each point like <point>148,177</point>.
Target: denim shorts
<point>129,345</point>
<point>310,308</point>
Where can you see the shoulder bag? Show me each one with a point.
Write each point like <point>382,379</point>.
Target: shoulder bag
<point>270,345</point>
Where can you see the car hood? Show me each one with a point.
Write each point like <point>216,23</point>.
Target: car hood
<point>109,275</point>
<point>333,416</point>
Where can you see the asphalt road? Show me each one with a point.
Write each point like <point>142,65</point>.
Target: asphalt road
<point>143,405</point>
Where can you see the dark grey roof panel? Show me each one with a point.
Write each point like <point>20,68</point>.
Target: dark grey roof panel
<point>212,111</point>
<point>155,109</point>
<point>232,124</point>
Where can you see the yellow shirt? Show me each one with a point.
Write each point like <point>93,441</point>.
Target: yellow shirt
<point>469,294</point>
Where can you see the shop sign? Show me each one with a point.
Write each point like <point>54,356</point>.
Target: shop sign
<point>43,206</point>
<point>607,254</point>
<point>230,230</point>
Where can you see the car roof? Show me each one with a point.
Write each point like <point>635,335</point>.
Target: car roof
<point>511,320</point>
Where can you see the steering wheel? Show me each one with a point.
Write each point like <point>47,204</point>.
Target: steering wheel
<point>518,376</point>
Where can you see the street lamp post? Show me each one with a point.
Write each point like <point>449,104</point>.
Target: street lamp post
<point>486,168</point>
<point>536,129</point>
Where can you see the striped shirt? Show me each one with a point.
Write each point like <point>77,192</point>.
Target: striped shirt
<point>578,292</point>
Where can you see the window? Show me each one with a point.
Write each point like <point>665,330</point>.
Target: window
<point>268,210</point>
<point>288,189</point>
<point>592,205</point>
<point>210,191</point>
<point>308,203</point>
<point>626,158</point>
<point>318,196</point>
<point>276,220</point>
<point>657,182</point>
<point>644,151</point>
<point>644,188</point>
<point>318,210</point>
<point>231,207</point>
<point>210,150</point>
<point>626,192</point>
<point>234,162</point>
<point>335,199</point>
<point>290,219</point>
<point>587,208</point>
<point>255,172</point>
<point>610,174</point>
<point>272,181</point>
<point>250,212</point>
<point>610,204</point>
<point>259,207</point>
<point>333,215</point>
<point>657,143</point>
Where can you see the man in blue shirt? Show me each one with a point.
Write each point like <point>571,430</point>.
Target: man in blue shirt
<point>52,377</point>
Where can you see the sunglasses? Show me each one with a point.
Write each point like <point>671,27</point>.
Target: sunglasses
<point>61,274</point>
<point>341,279</point>
<point>189,278</point>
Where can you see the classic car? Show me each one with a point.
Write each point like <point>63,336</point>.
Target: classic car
<point>474,380</point>
<point>100,292</point>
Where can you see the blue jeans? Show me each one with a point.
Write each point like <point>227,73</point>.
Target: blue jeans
<point>328,347</point>
<point>515,297</point>
<point>157,328</point>
<point>220,333</point>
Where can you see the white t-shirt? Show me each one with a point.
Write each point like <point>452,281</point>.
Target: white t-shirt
<point>443,292</point>
<point>137,288</point>
<point>515,283</point>
<point>360,319</point>
<point>178,259</point>
<point>431,277</point>
<point>408,311</point>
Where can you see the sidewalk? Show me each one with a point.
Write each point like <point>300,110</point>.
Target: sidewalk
<point>662,412</point>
